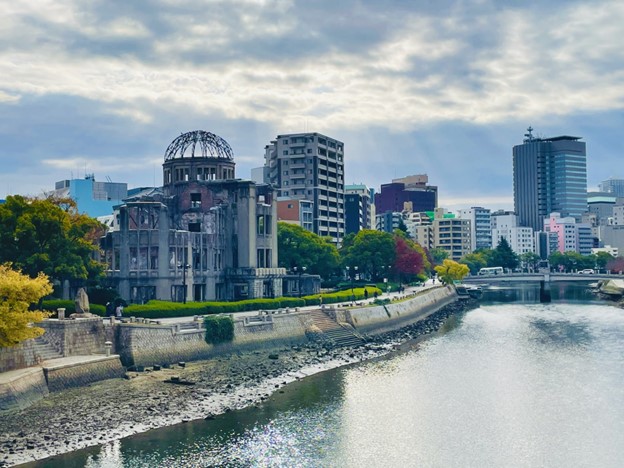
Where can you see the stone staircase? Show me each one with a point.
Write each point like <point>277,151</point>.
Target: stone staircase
<point>45,349</point>
<point>339,335</point>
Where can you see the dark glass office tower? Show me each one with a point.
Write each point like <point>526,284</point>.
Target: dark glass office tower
<point>550,175</point>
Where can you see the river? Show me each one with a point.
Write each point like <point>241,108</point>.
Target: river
<point>508,384</point>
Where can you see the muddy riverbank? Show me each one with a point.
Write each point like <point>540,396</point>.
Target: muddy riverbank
<point>114,409</point>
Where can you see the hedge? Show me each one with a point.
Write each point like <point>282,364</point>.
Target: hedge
<point>219,328</point>
<point>164,309</point>
<point>70,307</point>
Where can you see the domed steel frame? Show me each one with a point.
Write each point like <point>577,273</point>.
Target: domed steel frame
<point>199,144</point>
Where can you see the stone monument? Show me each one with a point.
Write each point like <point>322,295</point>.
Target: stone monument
<point>82,305</point>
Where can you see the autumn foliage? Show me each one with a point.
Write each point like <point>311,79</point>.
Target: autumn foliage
<point>17,293</point>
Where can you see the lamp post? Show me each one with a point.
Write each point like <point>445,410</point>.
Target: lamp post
<point>301,271</point>
<point>352,277</point>
<point>184,267</point>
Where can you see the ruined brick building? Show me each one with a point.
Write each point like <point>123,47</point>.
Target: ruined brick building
<point>204,235</point>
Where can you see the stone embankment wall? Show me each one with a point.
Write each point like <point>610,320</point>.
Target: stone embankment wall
<point>19,356</point>
<point>75,337</point>
<point>145,345</point>
<point>67,376</point>
<point>21,388</point>
<point>380,319</point>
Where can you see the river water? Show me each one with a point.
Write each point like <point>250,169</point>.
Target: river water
<point>508,384</point>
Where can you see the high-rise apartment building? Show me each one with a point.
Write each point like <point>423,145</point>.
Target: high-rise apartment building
<point>549,175</point>
<point>310,166</point>
<point>481,226</point>
<point>358,212</point>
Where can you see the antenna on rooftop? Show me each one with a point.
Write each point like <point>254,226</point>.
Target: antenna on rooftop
<point>529,135</point>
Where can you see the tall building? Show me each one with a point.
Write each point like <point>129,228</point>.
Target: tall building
<point>612,186</point>
<point>310,166</point>
<point>549,175</point>
<point>414,189</point>
<point>299,212</point>
<point>358,208</point>
<point>91,197</point>
<point>480,225</point>
<point>204,235</point>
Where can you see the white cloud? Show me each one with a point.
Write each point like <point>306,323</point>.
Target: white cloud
<point>427,70</point>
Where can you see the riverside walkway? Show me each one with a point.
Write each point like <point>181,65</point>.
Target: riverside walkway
<point>364,302</point>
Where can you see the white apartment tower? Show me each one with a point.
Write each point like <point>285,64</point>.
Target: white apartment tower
<point>310,166</point>
<point>480,225</point>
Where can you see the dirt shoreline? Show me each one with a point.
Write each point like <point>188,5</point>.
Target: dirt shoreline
<point>114,409</point>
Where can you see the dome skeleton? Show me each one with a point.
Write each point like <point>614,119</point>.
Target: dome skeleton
<point>208,145</point>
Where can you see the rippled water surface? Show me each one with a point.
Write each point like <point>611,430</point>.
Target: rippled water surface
<point>510,385</point>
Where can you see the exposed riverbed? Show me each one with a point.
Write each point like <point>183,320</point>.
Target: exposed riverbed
<point>110,410</point>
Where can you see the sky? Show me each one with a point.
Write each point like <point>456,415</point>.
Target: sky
<point>441,87</point>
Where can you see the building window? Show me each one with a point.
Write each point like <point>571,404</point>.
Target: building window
<point>194,227</point>
<point>285,152</point>
<point>195,200</point>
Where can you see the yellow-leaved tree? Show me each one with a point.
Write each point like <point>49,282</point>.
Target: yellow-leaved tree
<point>451,271</point>
<point>17,293</point>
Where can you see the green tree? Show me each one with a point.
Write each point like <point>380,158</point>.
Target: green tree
<point>474,261</point>
<point>298,247</point>
<point>530,261</point>
<point>602,258</point>
<point>17,293</point>
<point>451,270</point>
<point>370,251</point>
<point>438,255</point>
<point>49,236</point>
<point>558,261</point>
<point>506,257</point>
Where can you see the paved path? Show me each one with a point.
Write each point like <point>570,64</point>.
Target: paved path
<point>393,295</point>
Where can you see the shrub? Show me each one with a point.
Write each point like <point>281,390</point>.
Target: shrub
<point>219,328</point>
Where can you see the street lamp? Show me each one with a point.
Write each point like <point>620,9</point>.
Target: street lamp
<point>351,277</point>
<point>301,271</point>
<point>184,267</point>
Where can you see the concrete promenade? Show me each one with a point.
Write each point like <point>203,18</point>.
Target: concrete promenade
<point>392,296</point>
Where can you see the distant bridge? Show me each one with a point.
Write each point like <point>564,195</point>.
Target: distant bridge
<point>538,277</point>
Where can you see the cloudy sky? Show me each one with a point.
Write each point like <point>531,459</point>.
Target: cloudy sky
<point>443,87</point>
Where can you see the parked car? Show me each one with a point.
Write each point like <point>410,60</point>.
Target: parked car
<point>587,271</point>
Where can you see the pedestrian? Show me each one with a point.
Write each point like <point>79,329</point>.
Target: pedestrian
<point>110,309</point>
<point>119,310</point>
<point>365,293</point>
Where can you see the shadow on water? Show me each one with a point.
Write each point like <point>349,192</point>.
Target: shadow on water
<point>529,293</point>
<point>562,334</point>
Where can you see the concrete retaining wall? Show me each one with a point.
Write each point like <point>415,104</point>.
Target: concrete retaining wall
<point>146,345</point>
<point>21,388</point>
<point>380,319</point>
<point>82,373</point>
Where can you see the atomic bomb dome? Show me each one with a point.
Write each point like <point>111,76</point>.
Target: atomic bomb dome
<point>199,144</point>
<point>198,155</point>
